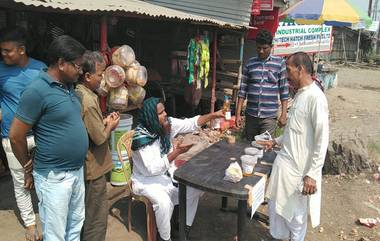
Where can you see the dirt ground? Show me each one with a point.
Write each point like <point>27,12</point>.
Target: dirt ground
<point>354,110</point>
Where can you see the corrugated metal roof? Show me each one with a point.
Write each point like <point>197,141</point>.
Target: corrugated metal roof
<point>130,6</point>
<point>237,12</point>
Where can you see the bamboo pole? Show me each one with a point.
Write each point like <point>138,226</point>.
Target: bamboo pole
<point>213,85</point>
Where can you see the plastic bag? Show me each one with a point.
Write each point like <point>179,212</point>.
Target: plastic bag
<point>266,136</point>
<point>136,94</point>
<point>233,173</point>
<point>119,98</point>
<point>114,76</point>
<point>123,56</point>
<point>136,75</point>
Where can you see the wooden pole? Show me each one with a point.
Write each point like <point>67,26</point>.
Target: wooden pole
<point>241,65</point>
<point>213,85</point>
<point>103,48</point>
<point>344,49</point>
<point>319,47</point>
<point>103,33</point>
<point>358,47</point>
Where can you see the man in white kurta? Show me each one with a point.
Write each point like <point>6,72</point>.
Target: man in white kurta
<point>294,188</point>
<point>150,179</point>
<point>150,172</point>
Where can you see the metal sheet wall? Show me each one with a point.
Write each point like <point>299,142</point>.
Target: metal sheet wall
<point>237,11</point>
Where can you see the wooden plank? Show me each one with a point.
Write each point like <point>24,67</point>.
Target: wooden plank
<point>227,73</point>
<point>228,85</point>
<point>231,61</point>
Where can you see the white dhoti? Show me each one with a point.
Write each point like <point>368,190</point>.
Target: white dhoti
<point>150,180</point>
<point>164,196</point>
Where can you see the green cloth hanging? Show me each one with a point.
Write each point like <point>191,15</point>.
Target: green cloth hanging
<point>204,67</point>
<point>191,58</point>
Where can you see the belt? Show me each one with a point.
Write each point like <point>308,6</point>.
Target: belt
<point>7,137</point>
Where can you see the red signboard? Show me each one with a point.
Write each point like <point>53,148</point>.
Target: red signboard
<point>267,20</point>
<point>256,6</point>
<point>266,5</point>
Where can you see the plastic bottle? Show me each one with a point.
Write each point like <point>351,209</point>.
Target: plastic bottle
<point>226,108</point>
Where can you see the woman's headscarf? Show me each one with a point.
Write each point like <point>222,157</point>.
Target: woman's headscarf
<point>149,129</point>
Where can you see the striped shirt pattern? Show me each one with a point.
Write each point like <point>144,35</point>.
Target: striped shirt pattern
<point>262,83</point>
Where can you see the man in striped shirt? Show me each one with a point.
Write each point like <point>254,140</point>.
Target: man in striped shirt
<point>264,82</point>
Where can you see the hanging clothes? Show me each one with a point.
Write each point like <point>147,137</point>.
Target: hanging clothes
<point>198,61</point>
<point>191,59</point>
<point>204,67</point>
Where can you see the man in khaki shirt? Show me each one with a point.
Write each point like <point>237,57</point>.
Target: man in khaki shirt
<point>98,158</point>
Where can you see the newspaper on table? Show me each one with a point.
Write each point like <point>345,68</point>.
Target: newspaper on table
<point>256,195</point>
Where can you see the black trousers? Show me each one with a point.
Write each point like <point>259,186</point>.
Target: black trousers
<point>256,126</point>
<point>95,223</point>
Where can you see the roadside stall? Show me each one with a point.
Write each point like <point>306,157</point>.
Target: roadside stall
<point>150,50</point>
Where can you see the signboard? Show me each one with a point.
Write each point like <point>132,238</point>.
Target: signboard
<point>266,20</point>
<point>266,5</point>
<point>255,7</point>
<point>306,38</point>
<point>258,194</point>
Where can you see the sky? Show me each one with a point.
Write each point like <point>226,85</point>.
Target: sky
<point>363,4</point>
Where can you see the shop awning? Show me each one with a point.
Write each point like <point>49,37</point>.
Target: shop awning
<point>128,6</point>
<point>236,12</point>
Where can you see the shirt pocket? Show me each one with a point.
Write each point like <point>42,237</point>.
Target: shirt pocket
<point>272,77</point>
<point>297,119</point>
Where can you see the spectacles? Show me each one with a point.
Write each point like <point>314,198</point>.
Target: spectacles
<point>77,66</point>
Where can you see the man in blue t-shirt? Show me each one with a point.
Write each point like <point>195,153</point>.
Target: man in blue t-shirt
<point>17,70</point>
<point>51,108</point>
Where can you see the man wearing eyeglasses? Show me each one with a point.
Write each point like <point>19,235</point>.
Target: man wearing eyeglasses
<point>51,108</point>
<point>263,83</point>
<point>17,70</point>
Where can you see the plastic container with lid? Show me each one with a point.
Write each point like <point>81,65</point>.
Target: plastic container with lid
<point>114,76</point>
<point>136,75</point>
<point>123,56</point>
<point>103,89</point>
<point>253,151</point>
<point>136,94</point>
<point>248,163</point>
<point>134,63</point>
<point>119,98</point>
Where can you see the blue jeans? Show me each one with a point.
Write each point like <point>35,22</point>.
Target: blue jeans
<point>61,204</point>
